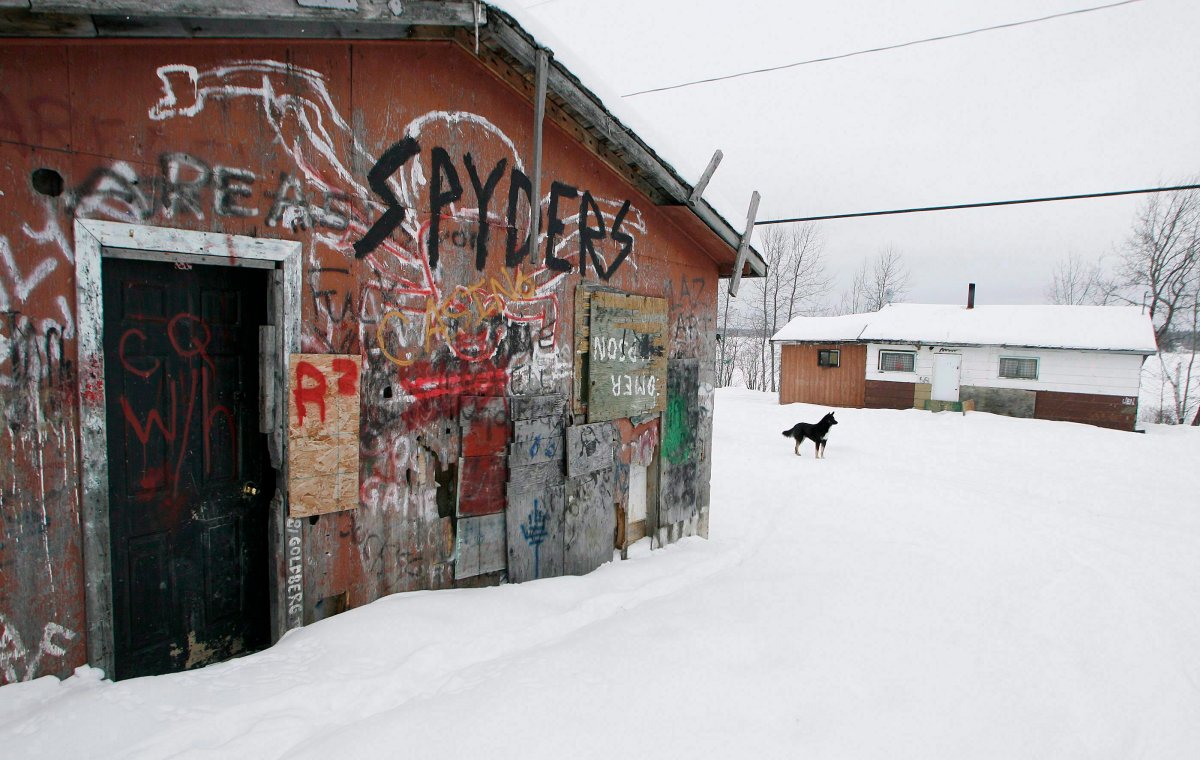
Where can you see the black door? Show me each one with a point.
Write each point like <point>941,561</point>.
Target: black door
<point>189,539</point>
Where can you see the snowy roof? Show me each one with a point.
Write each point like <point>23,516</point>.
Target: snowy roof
<point>1100,328</point>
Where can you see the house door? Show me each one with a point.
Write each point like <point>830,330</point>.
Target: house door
<point>189,479</point>
<point>946,369</point>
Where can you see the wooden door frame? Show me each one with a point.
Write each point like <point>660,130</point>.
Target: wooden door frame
<point>95,239</point>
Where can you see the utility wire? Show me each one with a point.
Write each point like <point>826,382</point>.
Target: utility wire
<point>957,206</point>
<point>880,49</point>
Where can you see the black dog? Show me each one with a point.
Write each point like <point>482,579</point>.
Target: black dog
<point>818,434</point>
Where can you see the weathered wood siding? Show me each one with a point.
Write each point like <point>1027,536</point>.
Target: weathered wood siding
<point>1118,412</point>
<point>400,168</point>
<point>801,380</point>
<point>889,395</point>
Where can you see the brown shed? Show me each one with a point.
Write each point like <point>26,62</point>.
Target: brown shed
<point>282,336</point>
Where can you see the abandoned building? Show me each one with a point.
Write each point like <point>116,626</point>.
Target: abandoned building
<point>280,334</point>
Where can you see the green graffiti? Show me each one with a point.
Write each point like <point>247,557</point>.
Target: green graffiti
<point>677,438</point>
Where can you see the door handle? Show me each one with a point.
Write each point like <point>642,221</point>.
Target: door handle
<point>249,490</point>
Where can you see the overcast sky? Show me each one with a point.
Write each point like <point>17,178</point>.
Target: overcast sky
<point>1093,102</point>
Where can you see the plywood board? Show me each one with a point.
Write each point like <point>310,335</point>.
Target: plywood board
<point>627,357</point>
<point>680,488</point>
<point>483,421</point>
<point>589,448</point>
<point>583,316</point>
<point>536,451</point>
<point>480,545</point>
<point>530,407</point>
<point>481,484</point>
<point>637,493</point>
<point>537,475</point>
<point>543,427</point>
<point>535,532</point>
<point>323,446</point>
<point>590,525</point>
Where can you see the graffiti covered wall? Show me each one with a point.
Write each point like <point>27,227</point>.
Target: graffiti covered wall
<point>403,169</point>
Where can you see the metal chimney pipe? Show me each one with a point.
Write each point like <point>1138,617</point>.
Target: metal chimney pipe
<point>971,296</point>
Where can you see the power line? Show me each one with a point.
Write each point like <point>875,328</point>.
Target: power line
<point>958,206</point>
<point>880,49</point>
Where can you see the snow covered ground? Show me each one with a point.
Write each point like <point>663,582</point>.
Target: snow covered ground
<point>941,586</point>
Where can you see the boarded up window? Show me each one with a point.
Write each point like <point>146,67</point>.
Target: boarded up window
<point>627,359</point>
<point>322,434</point>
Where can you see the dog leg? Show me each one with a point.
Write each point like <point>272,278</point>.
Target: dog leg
<point>796,448</point>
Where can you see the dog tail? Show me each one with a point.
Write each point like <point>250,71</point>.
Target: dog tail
<point>785,433</point>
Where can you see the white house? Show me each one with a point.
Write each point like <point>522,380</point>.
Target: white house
<point>1077,363</point>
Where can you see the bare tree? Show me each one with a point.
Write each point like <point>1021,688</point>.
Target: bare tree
<point>1162,257</point>
<point>1182,388</point>
<point>730,342</point>
<point>878,282</point>
<point>1075,281</point>
<point>795,280</point>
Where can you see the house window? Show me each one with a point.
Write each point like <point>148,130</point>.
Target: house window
<point>1018,368</point>
<point>828,357</point>
<point>897,361</point>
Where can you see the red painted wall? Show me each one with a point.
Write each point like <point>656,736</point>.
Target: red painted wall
<point>294,141</point>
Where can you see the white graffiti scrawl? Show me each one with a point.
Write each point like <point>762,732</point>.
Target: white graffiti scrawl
<point>17,663</point>
<point>432,200</point>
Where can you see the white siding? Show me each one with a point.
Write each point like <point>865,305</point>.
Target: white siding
<point>1067,371</point>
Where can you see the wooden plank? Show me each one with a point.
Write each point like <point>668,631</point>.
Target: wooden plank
<point>484,424</point>
<point>529,407</point>
<point>21,22</point>
<point>583,297</point>
<point>744,245</point>
<point>589,448</point>
<point>679,485</point>
<point>481,485</point>
<point>536,475</point>
<point>535,533</point>
<point>268,359</point>
<point>702,183</point>
<point>323,433</point>
<point>627,361</point>
<point>544,427</point>
<point>480,545</point>
<point>583,315</point>
<point>590,524</point>
<point>536,451</point>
